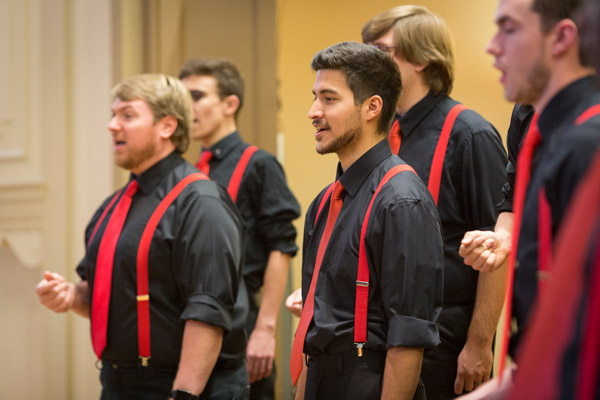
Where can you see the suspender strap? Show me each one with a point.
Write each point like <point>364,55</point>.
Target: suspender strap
<point>362,278</point>
<point>587,114</point>
<point>326,196</point>
<point>238,173</point>
<point>103,215</point>
<point>435,174</point>
<point>545,216</point>
<point>143,295</point>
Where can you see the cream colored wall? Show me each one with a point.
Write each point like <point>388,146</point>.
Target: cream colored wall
<point>55,167</point>
<point>311,25</point>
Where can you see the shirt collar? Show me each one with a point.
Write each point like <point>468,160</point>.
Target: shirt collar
<point>358,172</point>
<point>562,103</point>
<point>152,177</point>
<point>226,145</point>
<point>412,118</point>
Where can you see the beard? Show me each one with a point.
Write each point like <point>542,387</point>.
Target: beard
<point>136,157</point>
<point>342,142</point>
<point>537,80</point>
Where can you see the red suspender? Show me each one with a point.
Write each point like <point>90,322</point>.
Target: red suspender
<point>238,173</point>
<point>362,276</point>
<point>103,215</point>
<point>435,173</point>
<point>143,296</point>
<point>545,216</point>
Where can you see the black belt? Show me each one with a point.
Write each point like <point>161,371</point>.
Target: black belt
<point>375,359</point>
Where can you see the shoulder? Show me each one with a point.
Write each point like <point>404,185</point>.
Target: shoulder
<point>197,184</point>
<point>404,186</point>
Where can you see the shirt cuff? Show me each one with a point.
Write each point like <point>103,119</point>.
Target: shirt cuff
<point>284,246</point>
<point>405,331</point>
<point>205,308</point>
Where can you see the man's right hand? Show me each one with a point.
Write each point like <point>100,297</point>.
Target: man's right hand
<point>484,251</point>
<point>293,303</point>
<point>55,292</point>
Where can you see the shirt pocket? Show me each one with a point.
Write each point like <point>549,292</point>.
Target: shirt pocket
<point>339,280</point>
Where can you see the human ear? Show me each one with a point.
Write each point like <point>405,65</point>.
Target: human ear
<point>372,107</point>
<point>565,37</point>
<point>167,126</point>
<point>232,104</point>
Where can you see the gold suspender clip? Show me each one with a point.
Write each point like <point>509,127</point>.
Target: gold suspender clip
<point>144,361</point>
<point>359,348</point>
<point>143,297</point>
<point>362,283</point>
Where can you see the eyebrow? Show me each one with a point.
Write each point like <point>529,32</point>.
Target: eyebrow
<point>123,108</point>
<point>325,91</point>
<point>504,19</point>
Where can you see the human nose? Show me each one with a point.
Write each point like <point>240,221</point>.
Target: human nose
<point>113,125</point>
<point>493,47</point>
<point>315,111</point>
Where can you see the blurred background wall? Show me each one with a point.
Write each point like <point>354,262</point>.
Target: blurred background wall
<point>58,61</point>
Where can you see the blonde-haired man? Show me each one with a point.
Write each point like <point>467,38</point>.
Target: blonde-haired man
<point>461,158</point>
<point>159,297</point>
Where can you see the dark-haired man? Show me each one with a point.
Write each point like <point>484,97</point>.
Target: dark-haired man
<point>383,249</point>
<point>162,268</point>
<point>460,156</point>
<point>537,49</point>
<point>257,184</point>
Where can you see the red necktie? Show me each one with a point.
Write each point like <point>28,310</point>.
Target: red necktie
<point>335,205</point>
<point>532,140</point>
<point>394,137</point>
<point>104,268</point>
<point>202,164</point>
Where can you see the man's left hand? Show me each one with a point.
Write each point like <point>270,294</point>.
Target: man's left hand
<point>474,367</point>
<point>260,354</point>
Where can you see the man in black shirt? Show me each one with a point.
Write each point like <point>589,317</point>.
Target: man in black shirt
<point>263,198</point>
<point>165,283</point>
<point>537,50</point>
<point>468,176</point>
<point>399,247</point>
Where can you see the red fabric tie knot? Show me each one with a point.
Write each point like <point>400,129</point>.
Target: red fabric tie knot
<point>203,164</point>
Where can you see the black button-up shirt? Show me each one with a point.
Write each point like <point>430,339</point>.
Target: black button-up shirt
<point>264,200</point>
<point>194,266</point>
<point>559,163</point>
<point>471,182</point>
<point>404,251</point>
<point>519,125</point>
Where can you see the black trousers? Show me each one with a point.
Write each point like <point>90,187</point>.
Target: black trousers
<point>346,376</point>
<point>152,383</point>
<point>440,363</point>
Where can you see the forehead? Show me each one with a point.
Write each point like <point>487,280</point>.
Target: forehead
<point>515,10</point>
<point>205,83</point>
<point>331,80</point>
<point>138,105</point>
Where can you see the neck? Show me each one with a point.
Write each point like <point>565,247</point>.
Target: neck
<point>411,94</point>
<point>224,130</point>
<point>163,152</point>
<point>560,78</point>
<point>355,150</point>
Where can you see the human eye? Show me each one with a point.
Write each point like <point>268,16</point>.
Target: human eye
<point>197,95</point>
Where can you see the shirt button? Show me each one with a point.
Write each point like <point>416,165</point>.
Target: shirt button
<point>218,151</point>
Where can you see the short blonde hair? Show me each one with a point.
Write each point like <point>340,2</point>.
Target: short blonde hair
<point>165,95</point>
<point>421,38</point>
